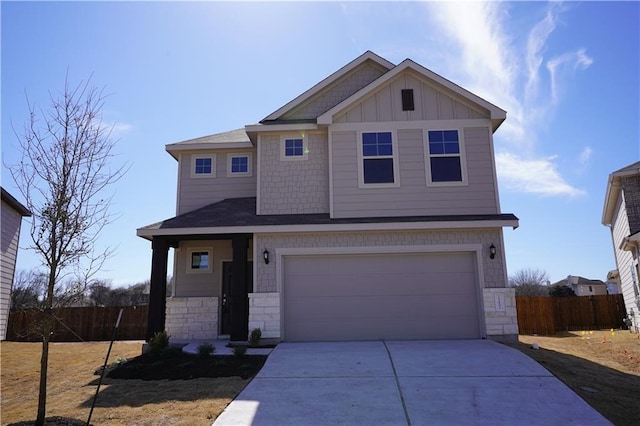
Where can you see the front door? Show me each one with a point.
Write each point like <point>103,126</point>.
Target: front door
<point>225,305</point>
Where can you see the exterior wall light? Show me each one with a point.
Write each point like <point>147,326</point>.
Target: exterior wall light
<point>492,251</point>
<point>265,256</point>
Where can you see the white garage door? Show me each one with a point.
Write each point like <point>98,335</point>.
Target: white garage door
<point>381,296</point>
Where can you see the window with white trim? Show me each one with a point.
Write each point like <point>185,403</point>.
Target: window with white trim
<point>377,158</point>
<point>445,157</point>
<point>199,260</point>
<point>293,148</point>
<point>203,166</point>
<point>239,165</point>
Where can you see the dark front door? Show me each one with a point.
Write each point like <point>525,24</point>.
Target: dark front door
<point>227,291</point>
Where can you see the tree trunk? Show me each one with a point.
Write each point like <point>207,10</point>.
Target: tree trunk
<point>44,363</point>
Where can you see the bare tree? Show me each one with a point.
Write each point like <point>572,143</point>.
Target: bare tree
<point>530,282</point>
<point>63,174</point>
<point>28,289</point>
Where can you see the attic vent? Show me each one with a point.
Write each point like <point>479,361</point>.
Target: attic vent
<point>407,100</point>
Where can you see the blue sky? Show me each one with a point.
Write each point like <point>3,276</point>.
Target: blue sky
<point>567,74</point>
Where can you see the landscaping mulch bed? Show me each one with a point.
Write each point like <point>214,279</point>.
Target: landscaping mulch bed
<point>177,365</point>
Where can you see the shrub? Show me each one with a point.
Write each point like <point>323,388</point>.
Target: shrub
<point>239,351</point>
<point>206,349</point>
<point>158,342</point>
<point>255,336</point>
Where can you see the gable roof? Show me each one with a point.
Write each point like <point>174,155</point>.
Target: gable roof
<point>613,190</point>
<point>497,115</point>
<point>578,281</point>
<point>324,84</point>
<point>233,139</point>
<point>15,204</point>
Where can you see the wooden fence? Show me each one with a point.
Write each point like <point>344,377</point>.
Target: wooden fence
<point>548,315</point>
<point>76,324</point>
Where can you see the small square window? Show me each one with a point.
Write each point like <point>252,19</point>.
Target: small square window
<point>293,147</point>
<point>203,166</point>
<point>199,260</point>
<point>239,164</point>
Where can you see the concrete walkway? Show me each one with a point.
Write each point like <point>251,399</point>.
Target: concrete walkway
<point>471,382</point>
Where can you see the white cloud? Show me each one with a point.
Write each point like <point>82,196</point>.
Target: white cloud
<point>585,155</point>
<point>538,176</point>
<point>517,77</point>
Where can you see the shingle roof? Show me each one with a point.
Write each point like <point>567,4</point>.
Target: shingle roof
<point>235,212</point>
<point>15,204</point>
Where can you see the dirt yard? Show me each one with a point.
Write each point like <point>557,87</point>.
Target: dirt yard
<point>72,386</point>
<point>603,367</point>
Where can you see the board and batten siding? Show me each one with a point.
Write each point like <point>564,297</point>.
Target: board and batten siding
<point>11,221</point>
<point>430,103</point>
<point>413,197</point>
<point>294,187</point>
<point>197,192</point>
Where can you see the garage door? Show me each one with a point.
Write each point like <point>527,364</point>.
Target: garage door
<point>381,296</point>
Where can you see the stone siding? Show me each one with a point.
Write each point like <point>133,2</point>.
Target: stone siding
<point>264,313</point>
<point>192,318</point>
<point>501,317</point>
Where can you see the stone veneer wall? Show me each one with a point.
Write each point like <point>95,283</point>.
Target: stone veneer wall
<point>501,317</point>
<point>264,313</point>
<point>192,318</point>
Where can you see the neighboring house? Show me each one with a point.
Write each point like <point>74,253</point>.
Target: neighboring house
<point>12,213</point>
<point>582,286</point>
<point>366,208</point>
<point>621,213</point>
<point>613,282</point>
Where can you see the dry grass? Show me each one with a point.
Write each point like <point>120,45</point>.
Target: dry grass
<point>603,367</point>
<point>72,385</point>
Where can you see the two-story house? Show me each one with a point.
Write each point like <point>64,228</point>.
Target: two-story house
<point>366,208</point>
<point>621,213</point>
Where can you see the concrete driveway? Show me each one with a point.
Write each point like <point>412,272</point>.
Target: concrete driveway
<point>462,382</point>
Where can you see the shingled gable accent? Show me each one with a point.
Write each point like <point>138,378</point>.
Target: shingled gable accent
<point>613,190</point>
<point>496,114</point>
<point>235,215</point>
<point>280,116</point>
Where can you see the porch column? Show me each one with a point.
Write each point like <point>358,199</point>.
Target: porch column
<point>239,292</point>
<point>158,287</point>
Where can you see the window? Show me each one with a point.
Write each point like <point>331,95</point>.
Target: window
<point>445,156</point>
<point>199,260</point>
<point>203,166</point>
<point>377,158</point>
<point>407,100</point>
<point>293,148</point>
<point>239,165</point>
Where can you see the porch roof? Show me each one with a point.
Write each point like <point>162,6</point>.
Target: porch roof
<point>238,215</point>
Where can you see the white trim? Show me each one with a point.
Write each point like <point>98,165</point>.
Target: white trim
<point>496,113</point>
<point>292,136</point>
<point>462,156</point>
<point>260,128</point>
<point>494,173</point>
<point>249,171</point>
<point>330,155</point>
<point>191,251</point>
<point>410,125</point>
<point>394,157</point>
<point>195,175</point>
<point>389,226</point>
<point>177,149</point>
<point>327,81</point>
<point>258,172</point>
<point>179,183</point>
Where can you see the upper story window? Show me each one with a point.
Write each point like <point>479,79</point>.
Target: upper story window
<point>239,165</point>
<point>377,158</point>
<point>203,166</point>
<point>445,157</point>
<point>293,148</point>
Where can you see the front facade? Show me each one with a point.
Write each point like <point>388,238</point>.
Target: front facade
<point>366,208</point>
<point>621,214</point>
<point>12,213</point>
